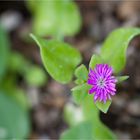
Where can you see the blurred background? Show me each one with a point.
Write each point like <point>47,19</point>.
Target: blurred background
<point>31,102</point>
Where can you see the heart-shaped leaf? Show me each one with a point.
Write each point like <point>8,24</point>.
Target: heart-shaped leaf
<point>59,59</point>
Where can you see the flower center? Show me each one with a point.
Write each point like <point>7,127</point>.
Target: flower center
<point>101,83</point>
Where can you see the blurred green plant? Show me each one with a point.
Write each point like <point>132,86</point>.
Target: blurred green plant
<point>33,74</point>
<point>14,105</point>
<point>56,18</point>
<point>4,52</point>
<point>14,120</point>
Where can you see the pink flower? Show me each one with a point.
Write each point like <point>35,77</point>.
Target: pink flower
<point>102,81</point>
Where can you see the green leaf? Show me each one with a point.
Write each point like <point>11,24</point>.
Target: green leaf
<point>70,20</point>
<point>14,121</point>
<point>35,76</point>
<point>91,114</point>
<point>4,51</point>
<point>19,96</point>
<point>78,81</point>
<point>79,132</point>
<point>80,92</point>
<point>121,78</point>
<point>103,106</point>
<point>45,18</point>
<point>100,131</point>
<point>81,73</point>
<point>59,59</point>
<point>115,47</point>
<point>89,109</point>
<point>17,63</point>
<point>95,59</point>
<point>55,18</point>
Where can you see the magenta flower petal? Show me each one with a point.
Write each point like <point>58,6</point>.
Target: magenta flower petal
<point>102,81</point>
<point>92,90</point>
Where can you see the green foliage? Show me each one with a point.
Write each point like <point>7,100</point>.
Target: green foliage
<point>81,131</point>
<point>4,51</point>
<point>17,62</point>
<point>87,105</point>
<point>59,59</point>
<point>80,92</point>
<point>55,18</point>
<point>121,78</point>
<point>81,73</point>
<point>114,53</point>
<point>91,113</point>
<point>115,47</point>
<point>20,97</point>
<point>103,106</point>
<point>32,74</point>
<point>17,94</point>
<point>35,76</point>
<point>88,113</point>
<point>100,131</point>
<point>14,121</point>
<point>89,125</point>
<point>95,59</point>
